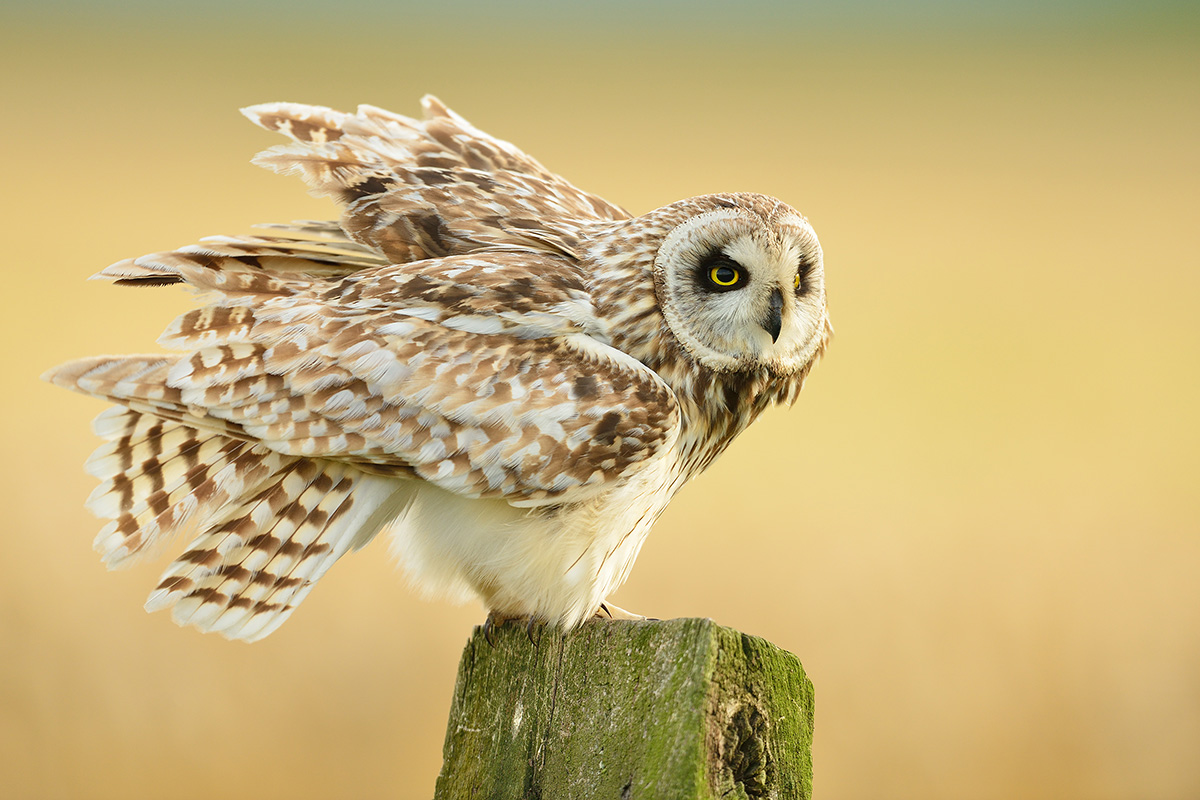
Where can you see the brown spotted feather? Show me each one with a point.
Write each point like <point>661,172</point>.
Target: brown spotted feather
<point>244,576</point>
<point>159,477</point>
<point>430,188</point>
<point>510,375</point>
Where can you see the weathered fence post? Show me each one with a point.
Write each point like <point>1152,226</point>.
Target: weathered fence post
<point>626,710</point>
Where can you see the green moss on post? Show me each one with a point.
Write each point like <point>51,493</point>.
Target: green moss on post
<point>676,709</point>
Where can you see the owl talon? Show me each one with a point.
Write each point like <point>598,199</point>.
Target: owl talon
<point>489,629</point>
<point>497,620</point>
<point>609,611</point>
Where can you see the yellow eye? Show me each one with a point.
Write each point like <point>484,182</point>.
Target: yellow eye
<point>720,273</point>
<point>725,276</point>
<point>796,281</point>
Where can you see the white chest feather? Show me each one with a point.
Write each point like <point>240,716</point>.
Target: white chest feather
<point>556,563</point>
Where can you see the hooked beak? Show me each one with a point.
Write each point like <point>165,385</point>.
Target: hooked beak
<point>773,322</point>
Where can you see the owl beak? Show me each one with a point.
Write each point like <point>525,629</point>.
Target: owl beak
<point>774,320</point>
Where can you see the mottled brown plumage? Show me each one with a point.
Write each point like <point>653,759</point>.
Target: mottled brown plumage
<point>510,375</point>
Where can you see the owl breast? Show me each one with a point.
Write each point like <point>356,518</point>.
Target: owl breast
<point>555,563</point>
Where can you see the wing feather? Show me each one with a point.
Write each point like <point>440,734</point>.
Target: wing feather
<point>485,375</point>
<point>243,576</point>
<point>442,331</point>
<point>282,255</point>
<point>159,477</point>
<point>416,189</point>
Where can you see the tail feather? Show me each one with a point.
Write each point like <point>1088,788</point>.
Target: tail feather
<point>160,477</point>
<point>243,577</point>
<point>266,525</point>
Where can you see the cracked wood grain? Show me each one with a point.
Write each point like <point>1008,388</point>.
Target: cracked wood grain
<point>618,709</point>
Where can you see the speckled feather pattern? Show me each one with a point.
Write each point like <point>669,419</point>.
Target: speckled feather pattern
<point>479,358</point>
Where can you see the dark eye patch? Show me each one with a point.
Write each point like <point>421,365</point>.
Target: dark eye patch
<point>717,272</point>
<point>803,272</point>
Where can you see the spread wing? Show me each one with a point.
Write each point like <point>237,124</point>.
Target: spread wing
<point>416,189</point>
<point>440,331</point>
<point>411,190</point>
<point>484,374</point>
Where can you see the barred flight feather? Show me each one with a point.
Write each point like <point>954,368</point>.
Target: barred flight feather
<point>244,576</point>
<point>161,478</point>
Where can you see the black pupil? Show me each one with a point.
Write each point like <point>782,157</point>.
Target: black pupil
<point>717,272</point>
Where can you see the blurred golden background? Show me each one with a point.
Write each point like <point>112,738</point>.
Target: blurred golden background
<point>979,528</point>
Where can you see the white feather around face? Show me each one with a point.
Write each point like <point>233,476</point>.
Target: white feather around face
<point>771,315</point>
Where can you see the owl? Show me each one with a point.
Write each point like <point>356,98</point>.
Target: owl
<point>508,376</point>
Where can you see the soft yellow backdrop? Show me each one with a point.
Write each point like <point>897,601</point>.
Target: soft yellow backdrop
<point>979,528</point>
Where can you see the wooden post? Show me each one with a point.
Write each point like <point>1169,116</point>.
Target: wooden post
<point>625,711</point>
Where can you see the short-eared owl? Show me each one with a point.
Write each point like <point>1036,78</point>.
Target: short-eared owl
<point>508,375</point>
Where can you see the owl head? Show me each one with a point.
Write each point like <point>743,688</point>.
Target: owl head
<point>740,283</point>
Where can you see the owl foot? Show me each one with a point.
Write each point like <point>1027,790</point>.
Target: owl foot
<point>490,624</point>
<point>495,620</point>
<point>609,611</point>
